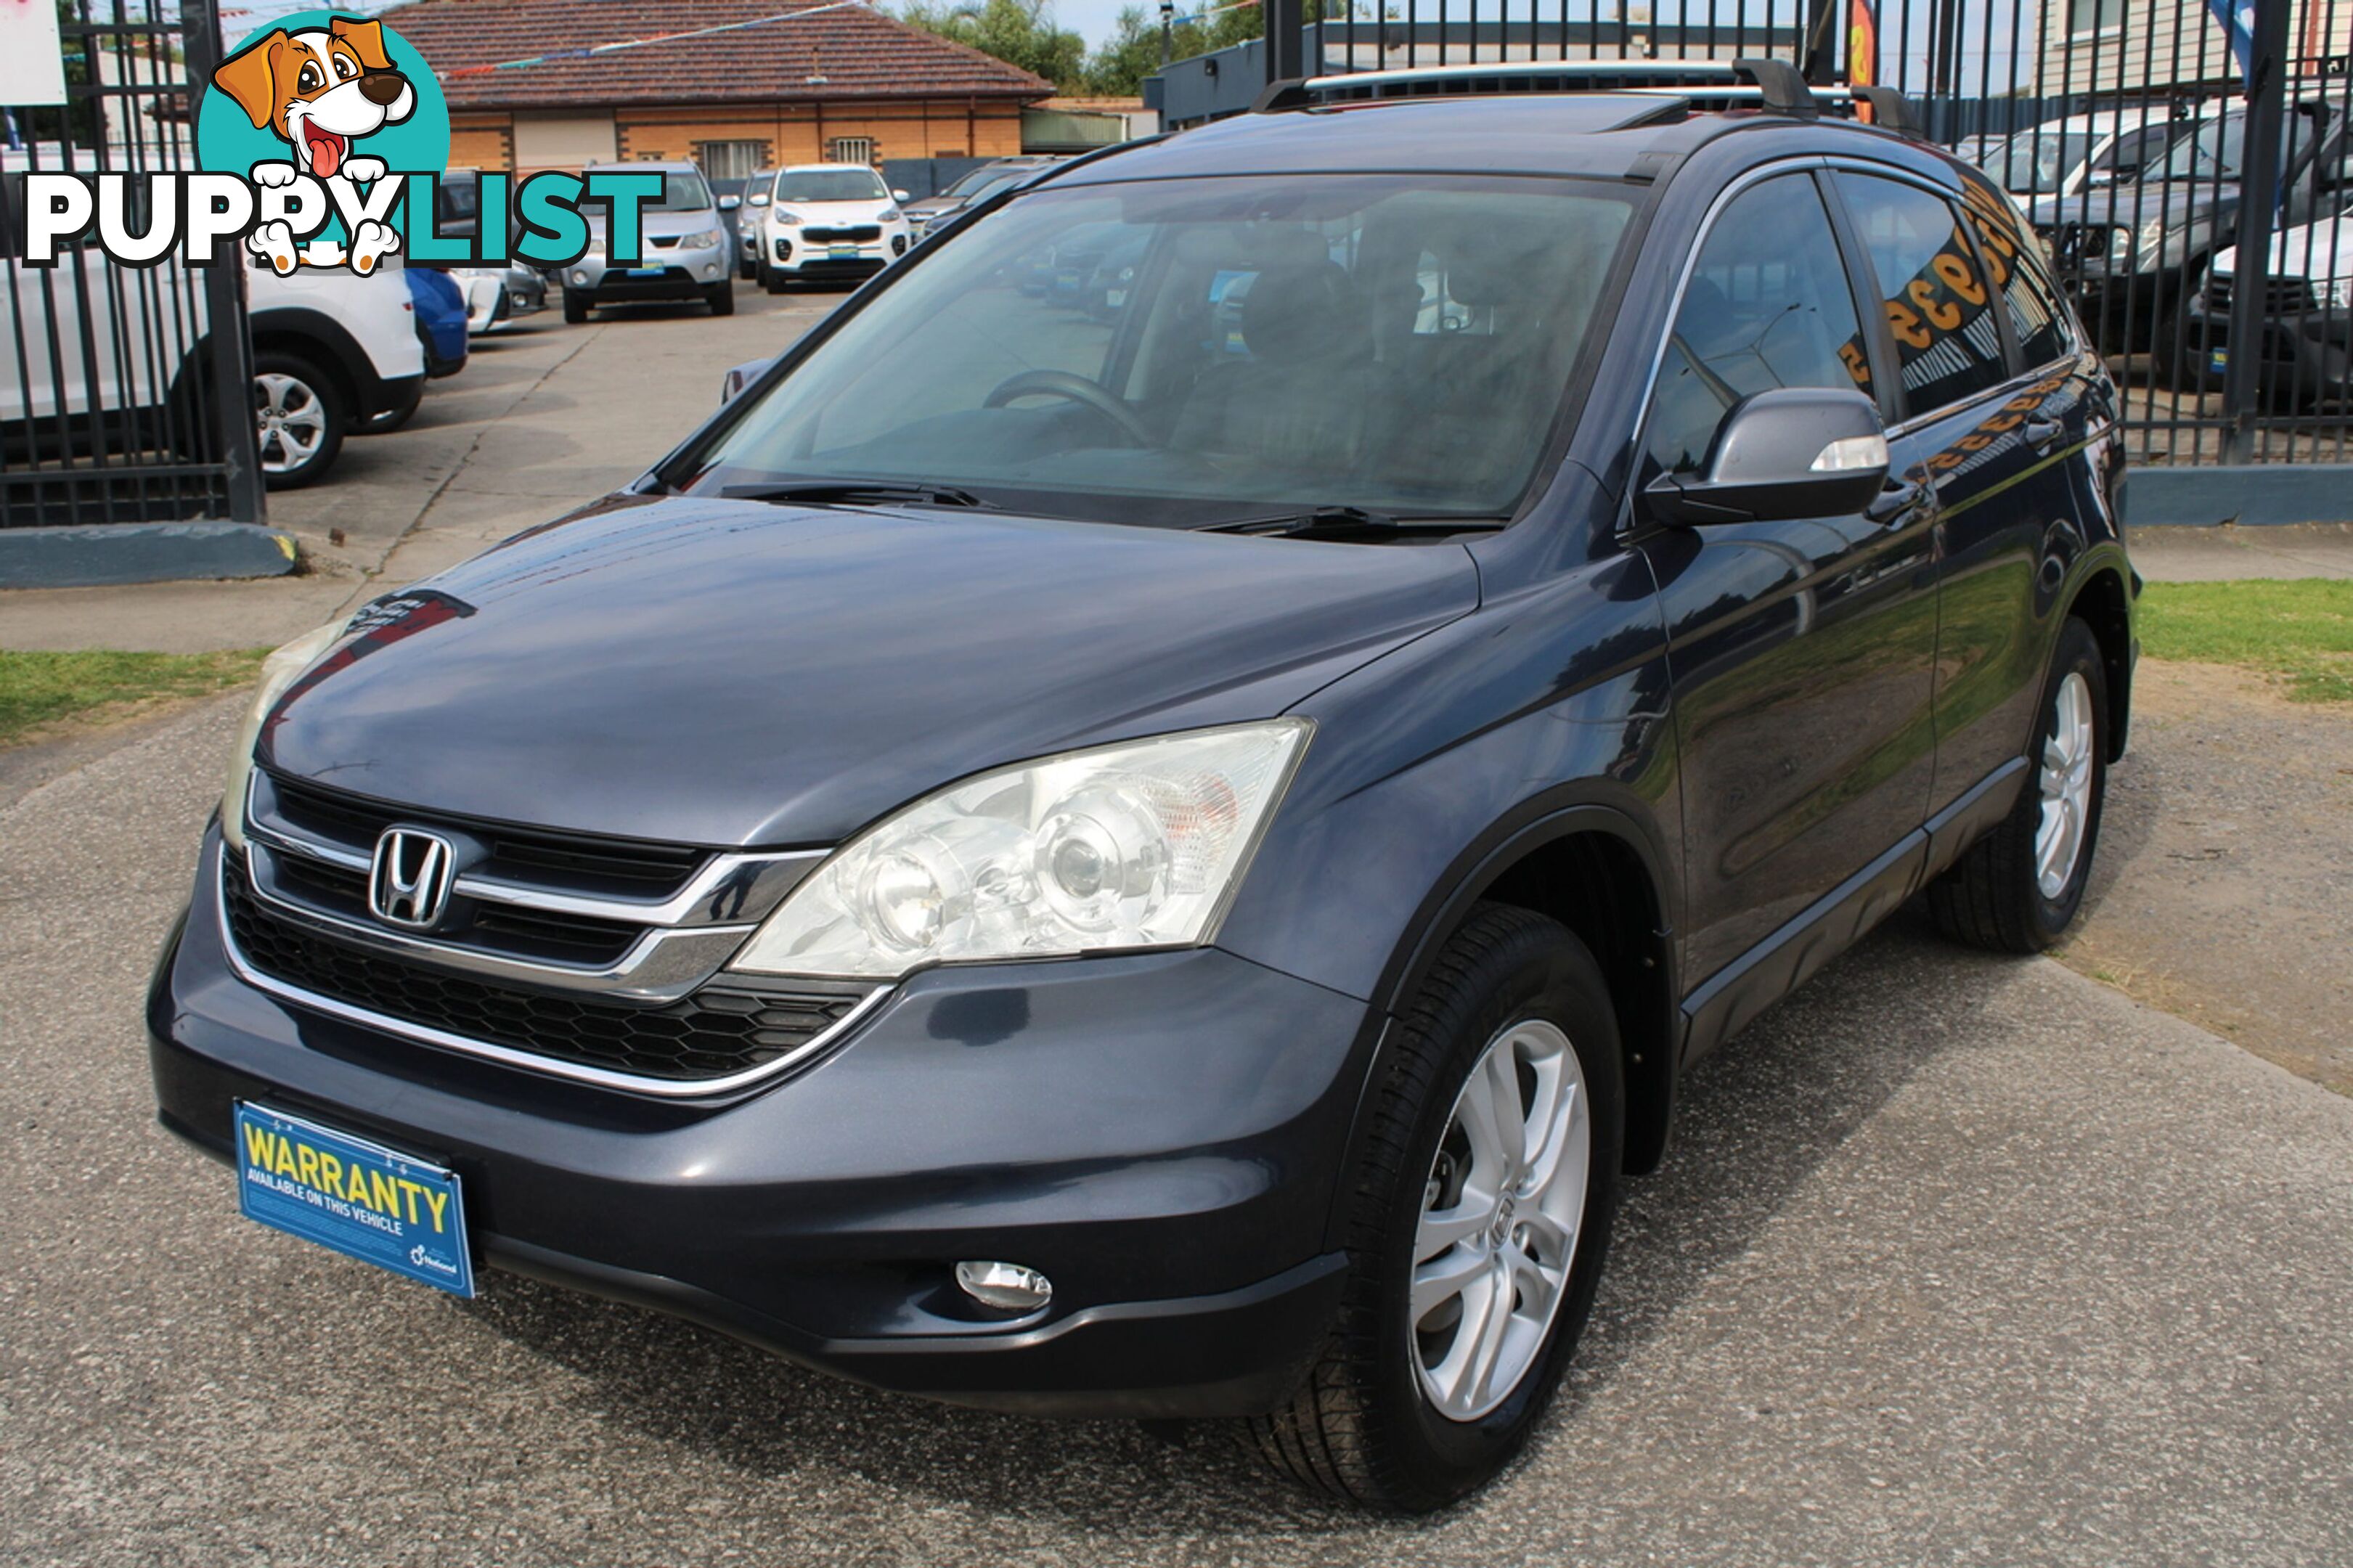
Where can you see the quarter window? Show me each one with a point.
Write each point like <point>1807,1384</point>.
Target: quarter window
<point>1768,305</point>
<point>1938,307</point>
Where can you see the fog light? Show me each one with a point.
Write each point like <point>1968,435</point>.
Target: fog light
<point>898,245</point>
<point>580,278</point>
<point>710,269</point>
<point>1004,1287</point>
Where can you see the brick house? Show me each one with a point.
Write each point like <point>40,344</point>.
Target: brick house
<point>824,83</point>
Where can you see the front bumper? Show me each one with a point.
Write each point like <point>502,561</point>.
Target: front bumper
<point>2301,354</point>
<point>672,274</point>
<point>791,254</point>
<point>1160,1133</point>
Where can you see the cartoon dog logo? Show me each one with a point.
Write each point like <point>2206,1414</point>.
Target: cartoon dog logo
<point>320,91</point>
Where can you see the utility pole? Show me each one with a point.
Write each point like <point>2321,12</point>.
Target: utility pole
<point>1167,31</point>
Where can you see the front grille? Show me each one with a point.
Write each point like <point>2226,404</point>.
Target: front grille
<point>716,1032</point>
<point>574,863</point>
<point>854,234</point>
<point>2281,296</point>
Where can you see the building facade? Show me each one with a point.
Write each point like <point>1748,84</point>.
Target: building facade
<point>731,83</point>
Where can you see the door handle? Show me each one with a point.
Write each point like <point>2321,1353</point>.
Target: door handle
<point>2043,434</point>
<point>1896,502</point>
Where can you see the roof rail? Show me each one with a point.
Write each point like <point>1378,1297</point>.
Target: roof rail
<point>1775,86</point>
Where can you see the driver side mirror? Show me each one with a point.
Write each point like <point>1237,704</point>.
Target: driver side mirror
<point>758,198</point>
<point>1792,452</point>
<point>729,203</point>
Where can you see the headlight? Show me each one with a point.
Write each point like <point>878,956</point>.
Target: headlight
<point>891,215</point>
<point>279,671</point>
<point>1135,845</point>
<point>790,220</point>
<point>703,241</point>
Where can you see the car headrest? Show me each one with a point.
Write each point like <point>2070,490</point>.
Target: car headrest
<point>1301,312</point>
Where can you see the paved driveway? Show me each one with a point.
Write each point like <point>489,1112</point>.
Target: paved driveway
<point>1957,1260</point>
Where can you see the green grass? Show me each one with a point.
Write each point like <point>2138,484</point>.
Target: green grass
<point>2301,631</point>
<point>39,690</point>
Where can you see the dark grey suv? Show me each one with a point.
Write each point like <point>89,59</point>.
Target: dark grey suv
<point>1169,863</point>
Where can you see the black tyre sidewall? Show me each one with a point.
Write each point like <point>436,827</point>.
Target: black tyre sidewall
<point>272,362</point>
<point>721,296</point>
<point>2078,653</point>
<point>576,308</point>
<point>1437,1459</point>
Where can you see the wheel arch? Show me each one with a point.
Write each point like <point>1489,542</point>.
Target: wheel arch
<point>1598,871</point>
<point>2102,602</point>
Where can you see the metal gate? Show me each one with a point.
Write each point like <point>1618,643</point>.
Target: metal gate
<point>2186,166</point>
<point>125,393</point>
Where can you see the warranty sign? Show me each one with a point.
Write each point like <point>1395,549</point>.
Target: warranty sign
<point>360,1198</point>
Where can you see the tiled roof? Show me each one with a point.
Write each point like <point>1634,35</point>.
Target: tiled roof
<point>857,52</point>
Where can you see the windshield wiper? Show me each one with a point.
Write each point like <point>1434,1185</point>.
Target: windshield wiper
<point>1343,519</point>
<point>852,492</point>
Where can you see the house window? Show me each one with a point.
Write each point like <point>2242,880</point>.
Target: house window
<point>729,160</point>
<point>2094,15</point>
<point>850,150</point>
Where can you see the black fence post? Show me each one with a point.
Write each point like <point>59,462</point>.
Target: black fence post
<point>230,362</point>
<point>1286,56</point>
<point>2259,194</point>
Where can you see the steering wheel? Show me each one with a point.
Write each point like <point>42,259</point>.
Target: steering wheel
<point>1076,389</point>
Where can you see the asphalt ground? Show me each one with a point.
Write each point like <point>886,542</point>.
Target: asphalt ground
<point>1956,1259</point>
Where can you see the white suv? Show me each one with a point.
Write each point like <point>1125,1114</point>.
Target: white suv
<point>829,221</point>
<point>331,350</point>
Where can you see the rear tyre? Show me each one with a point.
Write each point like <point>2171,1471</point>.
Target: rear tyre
<point>576,308</point>
<point>721,296</point>
<point>1477,1220</point>
<point>2018,889</point>
<point>303,418</point>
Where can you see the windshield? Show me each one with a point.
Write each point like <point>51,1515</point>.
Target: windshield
<point>683,192</point>
<point>2034,161</point>
<point>829,185</point>
<point>2212,151</point>
<point>1202,349</point>
<point>988,176</point>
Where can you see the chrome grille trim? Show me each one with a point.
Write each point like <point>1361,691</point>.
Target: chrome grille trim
<point>664,964</point>
<point>633,1083</point>
<point>732,887</point>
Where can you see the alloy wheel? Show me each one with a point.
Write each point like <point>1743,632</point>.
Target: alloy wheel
<point>1501,1212</point>
<point>2067,763</point>
<point>294,421</point>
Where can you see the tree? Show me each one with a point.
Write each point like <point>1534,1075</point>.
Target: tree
<point>1118,68</point>
<point>1019,32</point>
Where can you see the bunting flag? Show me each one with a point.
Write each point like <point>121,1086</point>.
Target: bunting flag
<point>1862,44</point>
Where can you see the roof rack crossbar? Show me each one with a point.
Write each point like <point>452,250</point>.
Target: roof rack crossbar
<point>1774,85</point>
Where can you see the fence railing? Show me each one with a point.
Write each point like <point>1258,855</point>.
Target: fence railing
<point>2190,175</point>
<point>125,393</point>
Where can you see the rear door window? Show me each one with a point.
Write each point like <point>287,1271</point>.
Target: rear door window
<point>1939,305</point>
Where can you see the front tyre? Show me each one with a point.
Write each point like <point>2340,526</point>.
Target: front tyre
<point>1477,1224</point>
<point>721,297</point>
<point>576,308</point>
<point>2018,888</point>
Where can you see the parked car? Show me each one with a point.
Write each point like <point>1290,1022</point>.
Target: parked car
<point>2306,349</point>
<point>2065,156</point>
<point>2132,256</point>
<point>685,254</point>
<point>496,293</point>
<point>1121,874</point>
<point>439,309</point>
<point>827,222</point>
<point>757,192</point>
<point>978,186</point>
<point>330,352</point>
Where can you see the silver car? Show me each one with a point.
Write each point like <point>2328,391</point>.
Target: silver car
<point>686,253</point>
